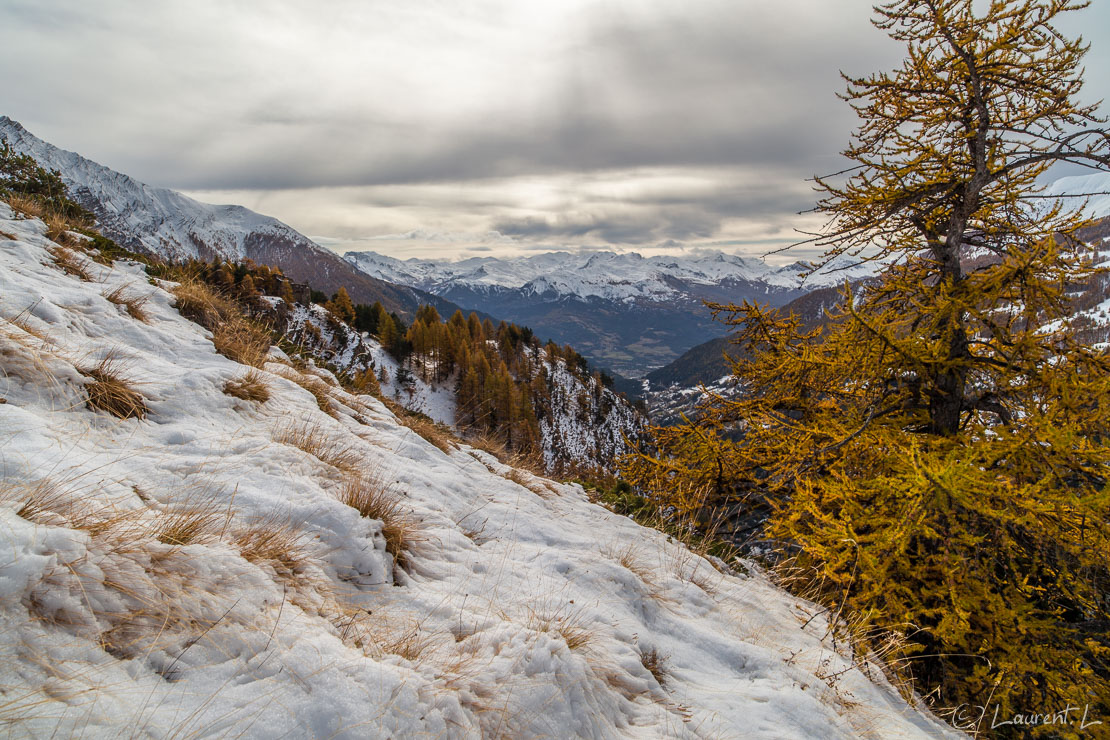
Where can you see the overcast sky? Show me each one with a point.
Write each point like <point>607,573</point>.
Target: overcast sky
<point>459,127</point>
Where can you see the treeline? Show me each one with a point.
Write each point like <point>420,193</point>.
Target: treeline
<point>501,373</point>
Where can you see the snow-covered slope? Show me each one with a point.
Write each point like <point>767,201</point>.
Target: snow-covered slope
<point>1094,189</point>
<point>166,223</point>
<point>522,609</point>
<point>155,220</point>
<point>582,424</point>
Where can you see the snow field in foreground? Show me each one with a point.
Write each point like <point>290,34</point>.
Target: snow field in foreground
<point>191,574</point>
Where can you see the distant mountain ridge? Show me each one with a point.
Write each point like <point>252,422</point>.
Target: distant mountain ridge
<point>613,276</point>
<point>622,310</point>
<point>169,224</point>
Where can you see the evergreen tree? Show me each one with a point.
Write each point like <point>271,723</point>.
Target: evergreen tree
<point>342,306</point>
<point>934,456</point>
<point>287,293</point>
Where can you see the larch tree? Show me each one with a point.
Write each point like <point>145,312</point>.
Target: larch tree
<point>932,459</point>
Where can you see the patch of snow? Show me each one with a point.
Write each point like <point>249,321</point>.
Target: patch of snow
<point>515,617</point>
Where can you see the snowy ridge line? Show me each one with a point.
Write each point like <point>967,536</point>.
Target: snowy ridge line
<point>282,612</point>
<point>609,275</point>
<point>159,220</point>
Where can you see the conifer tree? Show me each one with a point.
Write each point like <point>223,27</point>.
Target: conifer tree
<point>934,456</point>
<point>287,293</point>
<point>342,306</point>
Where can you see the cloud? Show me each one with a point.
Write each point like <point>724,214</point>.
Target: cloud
<point>625,121</point>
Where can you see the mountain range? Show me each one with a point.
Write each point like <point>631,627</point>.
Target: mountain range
<point>168,224</point>
<point>624,311</point>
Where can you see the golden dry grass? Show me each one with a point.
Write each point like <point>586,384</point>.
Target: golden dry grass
<point>242,340</point>
<point>26,206</point>
<point>111,390</point>
<point>133,304</point>
<point>190,523</point>
<point>565,620</point>
<point>59,230</point>
<point>41,501</point>
<point>199,302</point>
<point>318,442</point>
<point>487,442</point>
<point>274,541</point>
<point>71,263</point>
<point>20,320</point>
<point>374,496</point>
<point>316,387</point>
<point>529,481</point>
<point>379,636</point>
<point>629,558</point>
<point>234,335</point>
<point>656,665</point>
<point>434,433</point>
<point>250,386</point>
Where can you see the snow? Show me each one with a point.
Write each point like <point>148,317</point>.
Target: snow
<point>1097,185</point>
<point>158,220</point>
<point>104,630</point>
<point>622,277</point>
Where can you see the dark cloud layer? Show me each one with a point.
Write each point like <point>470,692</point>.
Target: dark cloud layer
<point>454,111</point>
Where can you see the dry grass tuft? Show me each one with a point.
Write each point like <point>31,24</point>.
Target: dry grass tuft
<point>487,442</point>
<point>26,206</point>
<point>529,481</point>
<point>566,621</point>
<point>59,230</point>
<point>317,388</point>
<point>199,302</point>
<point>374,497</point>
<point>234,335</point>
<point>250,387</point>
<point>8,235</point>
<point>656,665</point>
<point>242,340</point>
<point>376,637</point>
<point>111,390</point>
<point>273,541</point>
<point>316,441</point>
<point>132,303</point>
<point>436,434</point>
<point>411,643</point>
<point>43,501</point>
<point>629,558</point>
<point>20,321</point>
<point>71,263</point>
<point>190,523</point>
